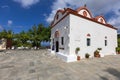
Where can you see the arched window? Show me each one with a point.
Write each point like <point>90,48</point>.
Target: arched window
<point>57,34</point>
<point>101,20</point>
<point>88,40</point>
<point>85,13</point>
<point>105,37</point>
<point>106,41</point>
<point>88,35</point>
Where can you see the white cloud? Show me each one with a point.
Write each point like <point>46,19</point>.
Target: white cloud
<point>97,7</point>
<point>10,22</point>
<point>115,21</point>
<point>26,3</point>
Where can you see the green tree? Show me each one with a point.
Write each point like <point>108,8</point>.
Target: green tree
<point>118,35</point>
<point>23,36</point>
<point>33,37</point>
<point>3,34</point>
<point>16,40</point>
<point>118,40</point>
<point>7,35</point>
<point>38,34</point>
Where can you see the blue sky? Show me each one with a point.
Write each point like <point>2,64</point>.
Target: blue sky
<point>19,15</point>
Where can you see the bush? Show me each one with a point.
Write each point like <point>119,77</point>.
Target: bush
<point>118,49</point>
<point>96,53</point>
<point>77,49</point>
<point>99,49</point>
<point>87,55</point>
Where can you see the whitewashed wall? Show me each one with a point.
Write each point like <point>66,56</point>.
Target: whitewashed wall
<point>60,15</point>
<point>63,28</point>
<point>79,28</point>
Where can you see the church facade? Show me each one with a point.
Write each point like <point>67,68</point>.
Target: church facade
<point>73,29</point>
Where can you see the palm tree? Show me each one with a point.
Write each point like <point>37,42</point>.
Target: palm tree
<point>3,34</point>
<point>38,34</point>
<point>33,36</point>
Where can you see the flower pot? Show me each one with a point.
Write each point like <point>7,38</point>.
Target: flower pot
<point>78,58</point>
<point>98,55</point>
<point>87,57</point>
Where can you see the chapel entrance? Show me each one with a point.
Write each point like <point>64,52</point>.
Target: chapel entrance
<point>57,46</point>
<point>57,34</point>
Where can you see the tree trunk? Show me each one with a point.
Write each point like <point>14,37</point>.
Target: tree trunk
<point>9,44</point>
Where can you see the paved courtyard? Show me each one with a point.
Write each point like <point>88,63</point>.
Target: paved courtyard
<point>40,65</point>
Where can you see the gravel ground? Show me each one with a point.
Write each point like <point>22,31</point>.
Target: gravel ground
<point>40,65</point>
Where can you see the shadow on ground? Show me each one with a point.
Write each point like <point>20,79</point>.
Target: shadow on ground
<point>104,78</point>
<point>113,72</point>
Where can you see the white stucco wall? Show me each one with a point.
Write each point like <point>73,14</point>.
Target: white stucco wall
<point>60,15</point>
<point>63,28</point>
<point>79,28</point>
<point>74,30</point>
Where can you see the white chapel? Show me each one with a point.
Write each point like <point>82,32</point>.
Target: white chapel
<point>73,29</point>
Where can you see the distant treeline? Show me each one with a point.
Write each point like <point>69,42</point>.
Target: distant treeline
<point>31,38</point>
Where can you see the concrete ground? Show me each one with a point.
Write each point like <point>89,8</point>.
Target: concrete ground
<point>39,65</point>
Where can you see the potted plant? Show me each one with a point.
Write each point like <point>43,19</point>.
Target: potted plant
<point>87,55</point>
<point>99,49</point>
<point>76,51</point>
<point>96,53</point>
<point>118,50</point>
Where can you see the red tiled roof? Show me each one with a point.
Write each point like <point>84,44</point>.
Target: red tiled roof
<point>75,12</point>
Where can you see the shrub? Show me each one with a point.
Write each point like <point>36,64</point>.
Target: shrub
<point>77,49</point>
<point>117,49</point>
<point>87,55</point>
<point>96,53</point>
<point>99,49</point>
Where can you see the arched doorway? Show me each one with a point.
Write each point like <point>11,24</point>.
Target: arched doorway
<point>57,34</point>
